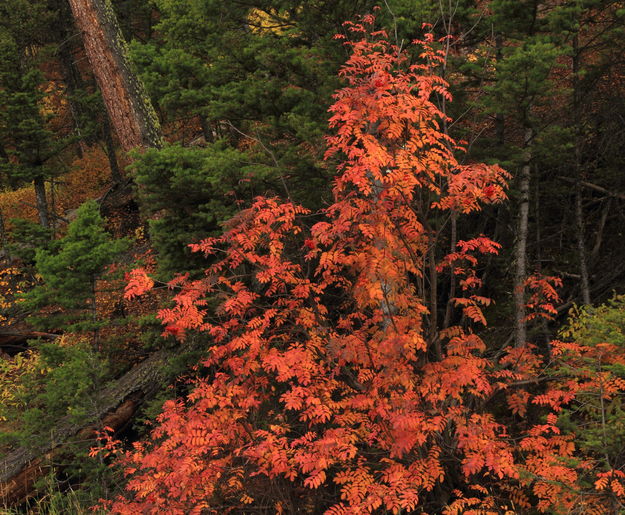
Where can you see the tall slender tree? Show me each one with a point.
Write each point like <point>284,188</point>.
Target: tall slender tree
<point>521,88</point>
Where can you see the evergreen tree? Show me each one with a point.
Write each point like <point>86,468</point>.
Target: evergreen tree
<point>26,238</point>
<point>188,192</point>
<point>130,110</point>
<point>27,141</point>
<point>259,75</point>
<point>69,273</point>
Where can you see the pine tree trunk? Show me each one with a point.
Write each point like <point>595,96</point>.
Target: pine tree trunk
<point>581,245</point>
<point>42,202</point>
<point>520,275</point>
<point>52,208</point>
<point>129,108</point>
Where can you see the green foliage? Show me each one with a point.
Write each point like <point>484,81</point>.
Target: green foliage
<point>593,325</point>
<point>259,76</point>
<point>188,192</point>
<point>57,498</point>
<point>598,419</point>
<point>177,81</point>
<point>26,141</point>
<point>29,21</point>
<point>57,382</point>
<point>26,238</point>
<point>63,383</point>
<point>89,111</point>
<point>150,332</point>
<point>523,76</point>
<point>69,273</point>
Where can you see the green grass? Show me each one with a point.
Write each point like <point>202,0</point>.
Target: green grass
<point>55,500</point>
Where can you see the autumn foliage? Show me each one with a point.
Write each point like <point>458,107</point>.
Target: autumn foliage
<point>320,388</point>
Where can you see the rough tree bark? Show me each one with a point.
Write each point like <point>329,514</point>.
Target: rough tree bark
<point>129,108</point>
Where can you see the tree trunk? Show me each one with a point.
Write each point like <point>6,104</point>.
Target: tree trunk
<point>581,246</point>
<point>605,211</point>
<point>130,110</point>
<point>52,208</point>
<point>579,213</point>
<point>42,202</point>
<point>520,275</point>
<point>434,303</point>
<point>452,278</point>
<point>20,469</point>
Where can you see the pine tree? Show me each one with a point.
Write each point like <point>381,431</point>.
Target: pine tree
<point>27,141</point>
<point>69,273</point>
<point>188,192</point>
<point>257,75</point>
<point>129,108</point>
<point>253,80</point>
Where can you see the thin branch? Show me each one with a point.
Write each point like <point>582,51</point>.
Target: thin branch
<point>592,186</point>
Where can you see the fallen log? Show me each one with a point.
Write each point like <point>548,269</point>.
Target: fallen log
<point>115,406</point>
<point>13,342</point>
<point>21,486</point>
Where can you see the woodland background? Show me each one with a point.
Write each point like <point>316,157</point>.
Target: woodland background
<point>125,139</point>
